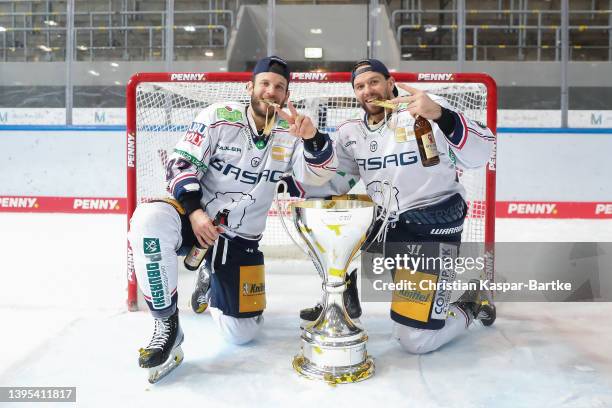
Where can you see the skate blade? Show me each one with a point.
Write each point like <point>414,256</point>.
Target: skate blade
<point>173,361</point>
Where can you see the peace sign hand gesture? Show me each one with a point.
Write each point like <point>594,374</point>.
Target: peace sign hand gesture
<point>419,103</point>
<point>301,126</point>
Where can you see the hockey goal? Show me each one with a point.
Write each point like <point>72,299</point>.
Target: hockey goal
<point>160,106</point>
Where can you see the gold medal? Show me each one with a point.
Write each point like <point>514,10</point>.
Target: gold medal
<point>269,124</point>
<point>271,103</point>
<point>384,104</point>
<point>270,121</point>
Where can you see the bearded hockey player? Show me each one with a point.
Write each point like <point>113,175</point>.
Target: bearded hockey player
<point>427,202</point>
<point>230,158</point>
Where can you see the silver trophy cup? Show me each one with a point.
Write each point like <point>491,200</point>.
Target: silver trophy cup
<point>333,347</point>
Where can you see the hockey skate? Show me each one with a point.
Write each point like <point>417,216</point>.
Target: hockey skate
<point>351,301</point>
<point>477,303</point>
<point>164,353</point>
<point>201,293</point>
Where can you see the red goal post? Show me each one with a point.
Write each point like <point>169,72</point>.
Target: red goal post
<point>160,105</point>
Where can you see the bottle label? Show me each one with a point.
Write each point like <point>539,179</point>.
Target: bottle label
<point>429,145</point>
<point>194,257</point>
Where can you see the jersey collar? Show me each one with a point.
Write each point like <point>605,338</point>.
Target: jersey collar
<point>378,127</point>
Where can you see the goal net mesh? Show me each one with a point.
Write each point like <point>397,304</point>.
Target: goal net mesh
<point>164,110</point>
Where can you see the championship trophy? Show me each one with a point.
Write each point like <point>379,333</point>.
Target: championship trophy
<point>333,347</point>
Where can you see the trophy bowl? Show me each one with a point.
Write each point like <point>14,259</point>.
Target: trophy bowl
<point>333,348</point>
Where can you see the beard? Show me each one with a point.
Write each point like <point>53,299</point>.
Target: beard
<point>261,109</point>
<point>373,110</point>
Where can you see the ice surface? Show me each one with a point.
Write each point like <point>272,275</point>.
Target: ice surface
<point>64,323</point>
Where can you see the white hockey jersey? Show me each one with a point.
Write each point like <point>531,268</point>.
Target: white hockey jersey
<point>221,156</point>
<point>389,151</point>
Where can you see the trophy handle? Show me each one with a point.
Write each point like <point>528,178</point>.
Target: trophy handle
<point>383,216</point>
<point>281,212</point>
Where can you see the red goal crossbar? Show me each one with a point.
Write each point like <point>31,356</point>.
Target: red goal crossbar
<point>140,78</point>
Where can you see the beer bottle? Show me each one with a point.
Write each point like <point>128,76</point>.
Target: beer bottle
<point>426,142</point>
<point>194,258</point>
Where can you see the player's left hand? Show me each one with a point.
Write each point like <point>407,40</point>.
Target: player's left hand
<point>419,103</point>
<point>301,126</point>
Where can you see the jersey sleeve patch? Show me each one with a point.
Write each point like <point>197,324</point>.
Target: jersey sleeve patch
<point>195,133</point>
<point>192,159</point>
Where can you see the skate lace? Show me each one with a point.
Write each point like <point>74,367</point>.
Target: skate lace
<point>204,281</point>
<point>161,334</point>
<point>203,286</point>
<point>203,277</point>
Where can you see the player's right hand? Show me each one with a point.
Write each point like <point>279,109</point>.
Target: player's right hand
<point>203,228</point>
<point>299,125</point>
<point>419,103</point>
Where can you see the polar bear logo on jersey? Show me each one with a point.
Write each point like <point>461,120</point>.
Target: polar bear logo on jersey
<point>236,203</point>
<point>379,194</point>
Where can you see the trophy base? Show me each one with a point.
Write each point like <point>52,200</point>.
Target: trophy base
<point>334,375</point>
